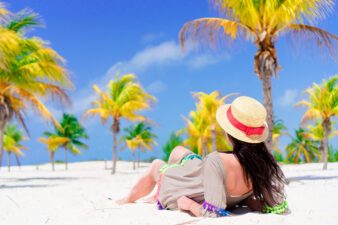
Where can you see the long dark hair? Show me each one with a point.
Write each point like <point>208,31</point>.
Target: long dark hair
<point>261,168</point>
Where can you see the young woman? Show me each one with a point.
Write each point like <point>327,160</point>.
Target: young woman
<point>247,175</point>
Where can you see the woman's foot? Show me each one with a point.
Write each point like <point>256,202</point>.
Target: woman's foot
<point>151,199</point>
<point>122,201</point>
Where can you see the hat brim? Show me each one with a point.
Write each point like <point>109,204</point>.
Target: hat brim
<point>222,119</point>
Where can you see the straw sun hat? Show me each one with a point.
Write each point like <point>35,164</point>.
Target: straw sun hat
<point>244,119</point>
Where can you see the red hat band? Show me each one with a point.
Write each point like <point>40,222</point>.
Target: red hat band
<point>240,126</point>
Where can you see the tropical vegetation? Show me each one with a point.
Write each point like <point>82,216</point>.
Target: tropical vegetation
<point>263,22</point>
<point>124,98</point>
<point>70,133</point>
<point>139,137</point>
<point>12,143</point>
<point>302,148</point>
<point>279,129</point>
<point>30,71</point>
<point>53,143</point>
<point>316,133</point>
<point>174,141</point>
<point>322,104</point>
<point>333,154</point>
<point>202,131</point>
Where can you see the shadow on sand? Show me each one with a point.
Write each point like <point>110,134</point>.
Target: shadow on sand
<point>37,178</point>
<point>309,177</point>
<point>4,186</point>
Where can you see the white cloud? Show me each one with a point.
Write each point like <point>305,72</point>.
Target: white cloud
<point>289,97</point>
<point>200,61</point>
<point>163,53</point>
<point>151,37</point>
<point>166,53</point>
<point>156,87</point>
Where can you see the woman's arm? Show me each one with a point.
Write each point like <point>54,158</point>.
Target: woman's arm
<point>187,204</point>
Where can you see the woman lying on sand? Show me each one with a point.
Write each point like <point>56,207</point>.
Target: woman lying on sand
<point>249,175</point>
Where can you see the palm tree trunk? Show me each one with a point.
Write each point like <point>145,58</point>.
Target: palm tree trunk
<point>138,160</point>
<point>2,128</point>
<point>326,128</point>
<point>267,101</point>
<point>114,153</point>
<point>51,155</point>
<point>66,160</point>
<point>115,131</point>
<point>9,161</point>
<point>321,150</point>
<point>204,148</point>
<point>213,136</point>
<point>133,152</point>
<point>18,161</point>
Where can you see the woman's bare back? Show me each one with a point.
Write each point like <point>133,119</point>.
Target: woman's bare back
<point>235,179</point>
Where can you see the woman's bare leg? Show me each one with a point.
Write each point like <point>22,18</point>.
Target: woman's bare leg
<point>144,185</point>
<point>177,154</point>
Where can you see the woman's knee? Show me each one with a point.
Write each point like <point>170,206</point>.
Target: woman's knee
<point>154,168</point>
<point>177,153</point>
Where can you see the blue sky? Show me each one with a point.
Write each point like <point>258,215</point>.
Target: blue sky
<point>99,38</point>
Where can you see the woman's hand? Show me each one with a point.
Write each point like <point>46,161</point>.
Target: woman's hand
<point>184,203</point>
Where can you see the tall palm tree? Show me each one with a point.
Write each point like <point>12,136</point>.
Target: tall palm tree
<point>12,143</point>
<point>302,146</point>
<point>262,22</point>
<point>138,137</point>
<point>209,104</point>
<point>323,105</point>
<point>53,143</point>
<point>174,141</point>
<point>71,129</point>
<point>278,130</point>
<point>29,71</point>
<point>124,99</point>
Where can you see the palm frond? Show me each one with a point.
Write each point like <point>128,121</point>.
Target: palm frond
<point>310,37</point>
<point>209,31</point>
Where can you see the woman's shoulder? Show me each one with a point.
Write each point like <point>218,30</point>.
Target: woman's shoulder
<point>226,157</point>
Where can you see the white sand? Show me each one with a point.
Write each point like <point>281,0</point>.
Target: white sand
<point>82,195</point>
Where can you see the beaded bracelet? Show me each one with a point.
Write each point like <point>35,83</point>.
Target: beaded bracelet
<point>165,167</point>
<point>215,209</point>
<point>160,207</point>
<point>277,209</point>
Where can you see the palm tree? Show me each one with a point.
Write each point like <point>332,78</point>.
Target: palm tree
<point>316,133</point>
<point>198,131</point>
<point>322,104</point>
<point>29,71</point>
<point>12,139</point>
<point>53,143</point>
<point>209,104</point>
<point>71,129</point>
<point>278,130</point>
<point>139,137</point>
<point>124,99</point>
<point>262,22</point>
<point>174,141</point>
<point>302,146</point>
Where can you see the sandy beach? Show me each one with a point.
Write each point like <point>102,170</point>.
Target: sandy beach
<point>85,194</point>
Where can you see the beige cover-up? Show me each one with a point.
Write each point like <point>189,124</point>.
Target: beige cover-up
<point>200,181</point>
